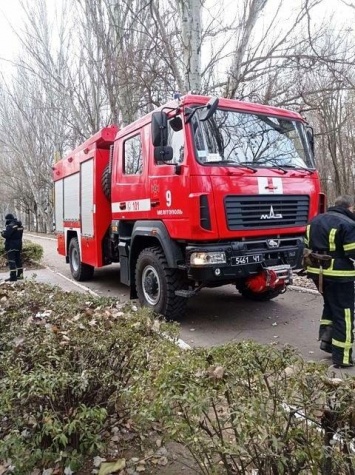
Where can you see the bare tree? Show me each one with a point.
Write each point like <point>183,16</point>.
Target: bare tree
<point>96,62</point>
<point>191,32</point>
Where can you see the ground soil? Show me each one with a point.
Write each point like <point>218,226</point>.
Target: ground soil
<point>168,459</point>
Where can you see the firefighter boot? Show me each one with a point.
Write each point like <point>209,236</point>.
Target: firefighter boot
<point>19,274</point>
<point>13,276</point>
<point>326,338</point>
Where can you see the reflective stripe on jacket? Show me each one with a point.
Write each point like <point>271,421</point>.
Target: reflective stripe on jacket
<point>333,233</point>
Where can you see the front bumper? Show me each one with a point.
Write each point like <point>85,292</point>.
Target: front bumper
<point>246,258</point>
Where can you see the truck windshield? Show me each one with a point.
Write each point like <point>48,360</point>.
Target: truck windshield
<point>236,139</point>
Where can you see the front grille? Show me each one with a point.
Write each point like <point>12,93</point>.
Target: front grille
<point>266,211</point>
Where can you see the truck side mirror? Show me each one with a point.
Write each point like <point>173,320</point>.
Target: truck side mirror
<point>163,154</point>
<point>159,129</point>
<point>210,109</point>
<point>310,137</point>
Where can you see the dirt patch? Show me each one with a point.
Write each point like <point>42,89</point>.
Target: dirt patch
<point>142,456</point>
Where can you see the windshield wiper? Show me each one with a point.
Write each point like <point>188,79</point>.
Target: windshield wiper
<point>278,167</point>
<point>298,167</point>
<point>248,165</point>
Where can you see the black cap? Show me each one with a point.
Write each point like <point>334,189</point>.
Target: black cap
<point>9,216</point>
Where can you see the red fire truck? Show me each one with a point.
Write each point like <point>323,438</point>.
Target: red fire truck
<point>202,192</point>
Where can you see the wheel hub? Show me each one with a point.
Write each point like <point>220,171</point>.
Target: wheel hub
<point>151,285</point>
<point>75,259</point>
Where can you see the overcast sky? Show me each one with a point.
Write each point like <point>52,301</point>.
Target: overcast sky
<point>10,13</point>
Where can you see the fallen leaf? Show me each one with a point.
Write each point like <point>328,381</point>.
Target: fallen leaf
<point>163,461</point>
<point>118,314</point>
<point>112,467</point>
<point>156,325</point>
<point>216,372</point>
<point>18,342</point>
<point>98,461</point>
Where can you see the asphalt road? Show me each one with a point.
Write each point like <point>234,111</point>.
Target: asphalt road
<point>221,315</point>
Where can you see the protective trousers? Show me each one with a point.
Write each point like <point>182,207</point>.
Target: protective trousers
<point>15,264</point>
<point>337,323</point>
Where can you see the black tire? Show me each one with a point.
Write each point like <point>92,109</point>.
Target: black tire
<point>156,284</point>
<point>106,182</point>
<point>261,296</point>
<point>78,269</point>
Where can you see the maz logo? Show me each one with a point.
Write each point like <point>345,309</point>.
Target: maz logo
<point>271,215</point>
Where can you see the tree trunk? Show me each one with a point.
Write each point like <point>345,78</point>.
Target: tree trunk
<point>190,12</point>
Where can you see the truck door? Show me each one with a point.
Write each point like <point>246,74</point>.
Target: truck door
<point>130,199</point>
<point>170,183</point>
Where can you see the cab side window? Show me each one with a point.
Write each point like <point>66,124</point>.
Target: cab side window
<point>133,158</point>
<point>176,139</point>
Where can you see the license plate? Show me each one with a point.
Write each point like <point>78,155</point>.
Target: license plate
<point>244,260</point>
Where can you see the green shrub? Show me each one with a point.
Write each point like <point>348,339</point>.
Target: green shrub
<point>31,253</point>
<point>66,361</point>
<point>244,407</point>
<point>71,365</point>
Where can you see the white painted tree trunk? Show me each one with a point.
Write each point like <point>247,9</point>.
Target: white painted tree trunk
<point>190,13</point>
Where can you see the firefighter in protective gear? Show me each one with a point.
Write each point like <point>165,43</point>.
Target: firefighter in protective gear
<point>13,246</point>
<point>330,239</point>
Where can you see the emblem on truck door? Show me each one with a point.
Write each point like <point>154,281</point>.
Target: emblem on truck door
<point>271,215</point>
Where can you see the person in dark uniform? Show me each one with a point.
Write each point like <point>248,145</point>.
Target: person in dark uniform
<point>13,246</point>
<point>330,239</point>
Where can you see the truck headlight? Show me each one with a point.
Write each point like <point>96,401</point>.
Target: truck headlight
<point>207,258</point>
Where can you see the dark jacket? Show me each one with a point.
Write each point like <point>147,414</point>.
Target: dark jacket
<point>13,235</point>
<point>333,233</point>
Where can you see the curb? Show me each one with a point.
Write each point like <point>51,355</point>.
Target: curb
<point>39,237</point>
<point>303,289</point>
<point>83,287</point>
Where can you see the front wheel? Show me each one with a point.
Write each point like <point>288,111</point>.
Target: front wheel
<point>79,270</point>
<point>156,284</point>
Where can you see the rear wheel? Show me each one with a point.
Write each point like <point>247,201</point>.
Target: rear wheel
<point>156,284</point>
<point>79,270</point>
